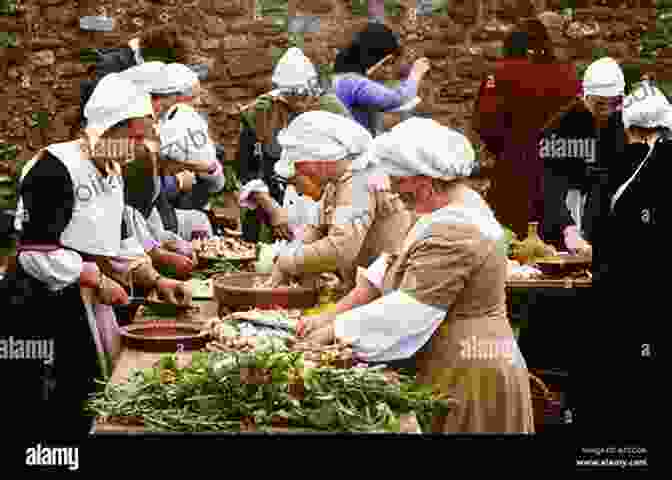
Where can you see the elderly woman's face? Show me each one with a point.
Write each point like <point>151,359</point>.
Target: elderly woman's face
<point>119,144</point>
<point>602,107</point>
<point>416,192</point>
<point>407,189</point>
<point>140,128</point>
<point>194,99</point>
<point>318,169</point>
<point>305,186</point>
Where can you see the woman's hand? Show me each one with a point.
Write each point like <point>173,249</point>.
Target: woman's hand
<point>308,325</point>
<point>420,67</point>
<point>173,291</point>
<point>280,223</point>
<point>182,265</point>
<point>323,336</point>
<point>134,43</point>
<point>278,277</point>
<point>185,181</point>
<point>111,293</point>
<point>575,243</point>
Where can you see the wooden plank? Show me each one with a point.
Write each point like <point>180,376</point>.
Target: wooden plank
<point>137,359</point>
<point>550,283</point>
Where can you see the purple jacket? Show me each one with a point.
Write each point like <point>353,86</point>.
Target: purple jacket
<point>355,90</point>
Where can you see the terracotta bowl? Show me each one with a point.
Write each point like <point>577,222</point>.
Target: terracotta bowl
<point>560,266</point>
<point>164,336</point>
<point>235,291</point>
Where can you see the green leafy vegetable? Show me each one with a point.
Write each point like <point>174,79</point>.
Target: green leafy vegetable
<point>218,390</point>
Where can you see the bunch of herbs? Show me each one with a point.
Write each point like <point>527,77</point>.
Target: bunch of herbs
<point>214,393</point>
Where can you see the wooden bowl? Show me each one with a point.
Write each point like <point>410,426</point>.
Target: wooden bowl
<point>562,265</point>
<point>164,336</point>
<point>235,291</point>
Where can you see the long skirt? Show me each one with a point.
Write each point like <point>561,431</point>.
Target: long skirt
<point>46,381</point>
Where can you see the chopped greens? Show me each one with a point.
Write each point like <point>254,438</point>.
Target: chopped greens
<point>227,391</point>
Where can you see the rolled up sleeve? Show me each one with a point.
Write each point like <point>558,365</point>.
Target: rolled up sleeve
<point>397,325</point>
<point>348,226</point>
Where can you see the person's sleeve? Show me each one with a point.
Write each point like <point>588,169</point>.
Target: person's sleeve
<point>141,189</point>
<point>250,167</point>
<point>48,196</point>
<point>350,223</point>
<point>169,186</point>
<point>556,214</point>
<point>398,324</point>
<point>48,193</point>
<point>366,92</point>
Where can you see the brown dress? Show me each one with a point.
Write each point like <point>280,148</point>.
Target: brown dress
<point>342,247</point>
<point>459,268</point>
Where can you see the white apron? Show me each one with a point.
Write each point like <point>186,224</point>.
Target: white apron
<point>95,228</point>
<point>396,326</point>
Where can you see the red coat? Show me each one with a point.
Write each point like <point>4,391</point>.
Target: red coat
<point>515,101</point>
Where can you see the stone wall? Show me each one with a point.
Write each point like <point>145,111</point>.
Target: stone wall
<point>42,73</point>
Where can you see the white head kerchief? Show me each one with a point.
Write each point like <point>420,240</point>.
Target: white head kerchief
<point>421,146</point>
<point>145,75</point>
<point>294,70</point>
<point>320,135</point>
<point>604,78</point>
<point>114,99</point>
<point>174,78</point>
<point>647,107</point>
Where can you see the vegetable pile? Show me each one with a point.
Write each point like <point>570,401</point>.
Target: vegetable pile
<point>236,391</point>
<point>227,247</point>
<point>261,282</point>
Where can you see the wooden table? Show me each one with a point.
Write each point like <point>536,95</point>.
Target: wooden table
<point>550,283</point>
<point>131,359</point>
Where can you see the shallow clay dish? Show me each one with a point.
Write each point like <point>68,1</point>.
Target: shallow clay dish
<point>563,264</point>
<point>164,336</point>
<point>236,292</point>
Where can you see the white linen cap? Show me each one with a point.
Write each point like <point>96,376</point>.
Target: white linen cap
<point>115,99</point>
<point>647,107</point>
<point>174,78</point>
<point>320,135</point>
<point>422,146</point>
<point>604,78</point>
<point>185,139</point>
<point>294,69</point>
<point>145,75</point>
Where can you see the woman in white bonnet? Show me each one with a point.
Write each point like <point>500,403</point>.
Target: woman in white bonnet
<point>355,224</point>
<point>635,218</point>
<point>593,122</point>
<point>75,256</point>
<point>442,298</point>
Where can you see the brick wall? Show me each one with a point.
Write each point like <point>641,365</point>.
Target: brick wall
<point>42,73</point>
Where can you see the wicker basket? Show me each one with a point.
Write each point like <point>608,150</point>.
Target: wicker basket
<point>545,403</point>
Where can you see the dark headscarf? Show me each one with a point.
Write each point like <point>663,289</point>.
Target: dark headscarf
<point>368,48</point>
<point>530,34</point>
